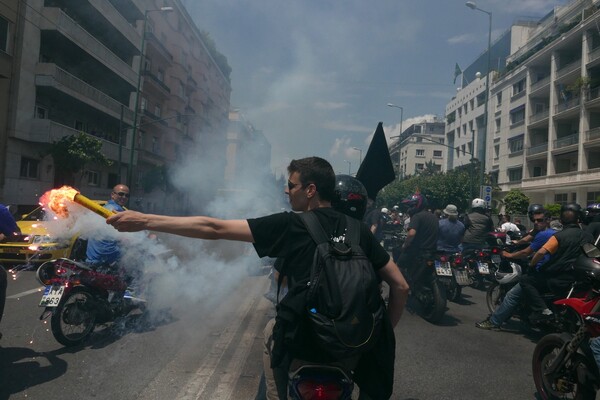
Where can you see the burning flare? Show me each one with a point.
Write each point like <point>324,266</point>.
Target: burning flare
<point>58,201</point>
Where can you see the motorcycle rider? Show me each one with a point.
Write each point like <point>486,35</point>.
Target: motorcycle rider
<point>422,235</point>
<point>557,274</point>
<point>593,220</point>
<point>532,209</point>
<point>310,188</point>
<point>506,309</point>
<point>477,224</point>
<point>451,231</point>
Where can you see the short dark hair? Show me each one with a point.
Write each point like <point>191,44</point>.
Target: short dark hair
<point>317,171</point>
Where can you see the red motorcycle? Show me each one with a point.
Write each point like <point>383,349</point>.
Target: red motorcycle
<point>564,366</point>
<point>78,298</point>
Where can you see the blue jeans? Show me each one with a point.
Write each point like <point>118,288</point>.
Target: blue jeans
<point>595,346</point>
<point>507,308</point>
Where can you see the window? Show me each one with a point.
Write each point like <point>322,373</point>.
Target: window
<point>517,116</point>
<point>3,35</point>
<point>472,103</point>
<point>93,177</point>
<point>457,151</point>
<point>112,181</point>
<point>593,197</point>
<point>147,64</point>
<point>471,125</point>
<point>498,125</point>
<point>496,151</point>
<point>29,168</point>
<point>437,154</point>
<point>160,75</point>
<point>515,174</point>
<point>518,87</point>
<point>498,99</point>
<point>442,140</point>
<point>143,104</point>
<point>420,153</point>
<point>419,139</point>
<point>561,198</point>
<point>79,126</point>
<point>419,167</point>
<point>41,112</point>
<point>515,145</point>
<point>155,145</point>
<point>470,144</point>
<point>157,110</point>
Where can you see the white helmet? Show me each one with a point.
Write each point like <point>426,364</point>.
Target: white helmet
<point>508,272</point>
<point>385,210</point>
<point>478,203</point>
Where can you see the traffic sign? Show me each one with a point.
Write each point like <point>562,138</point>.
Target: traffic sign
<point>486,195</point>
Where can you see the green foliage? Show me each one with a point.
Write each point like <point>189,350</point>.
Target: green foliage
<point>219,58</point>
<point>72,153</point>
<point>516,202</point>
<point>553,209</point>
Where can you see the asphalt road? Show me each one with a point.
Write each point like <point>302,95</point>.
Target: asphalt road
<point>209,347</point>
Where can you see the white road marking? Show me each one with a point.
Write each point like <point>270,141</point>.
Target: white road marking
<point>22,294</point>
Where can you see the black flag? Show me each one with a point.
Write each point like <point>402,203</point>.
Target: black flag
<point>376,169</point>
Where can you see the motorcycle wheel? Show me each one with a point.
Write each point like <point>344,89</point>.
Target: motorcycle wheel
<point>494,297</point>
<point>433,299</point>
<point>73,319</point>
<point>563,384</point>
<point>454,291</point>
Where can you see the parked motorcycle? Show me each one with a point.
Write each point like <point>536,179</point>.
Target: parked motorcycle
<point>78,298</point>
<point>563,363</point>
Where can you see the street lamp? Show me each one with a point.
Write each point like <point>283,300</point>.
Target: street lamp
<point>483,139</point>
<point>349,166</point>
<point>137,92</point>
<point>359,155</point>
<point>399,136</point>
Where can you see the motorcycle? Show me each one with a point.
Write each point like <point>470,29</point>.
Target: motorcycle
<point>78,298</point>
<point>563,364</point>
<point>428,280</point>
<point>459,272</point>
<point>319,381</point>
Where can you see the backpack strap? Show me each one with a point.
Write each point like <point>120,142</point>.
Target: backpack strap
<point>352,231</point>
<point>314,227</point>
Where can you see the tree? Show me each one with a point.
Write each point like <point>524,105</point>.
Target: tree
<point>71,154</point>
<point>553,209</point>
<point>516,202</point>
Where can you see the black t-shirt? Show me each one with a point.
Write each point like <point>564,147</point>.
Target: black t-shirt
<point>427,226</point>
<point>284,235</point>
<point>375,217</point>
<point>593,229</point>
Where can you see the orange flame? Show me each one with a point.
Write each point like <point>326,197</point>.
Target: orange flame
<point>57,200</point>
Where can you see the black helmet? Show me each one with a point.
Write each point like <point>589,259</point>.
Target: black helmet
<point>415,203</point>
<point>535,209</point>
<point>350,196</point>
<point>575,208</point>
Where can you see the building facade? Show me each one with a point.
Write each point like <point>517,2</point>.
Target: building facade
<point>546,111</point>
<point>83,67</point>
<point>419,145</point>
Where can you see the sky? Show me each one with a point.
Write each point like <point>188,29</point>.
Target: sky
<point>316,75</point>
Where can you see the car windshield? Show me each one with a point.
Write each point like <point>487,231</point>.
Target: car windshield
<point>38,214</point>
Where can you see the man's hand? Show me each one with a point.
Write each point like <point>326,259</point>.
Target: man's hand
<point>128,221</point>
<point>506,254</point>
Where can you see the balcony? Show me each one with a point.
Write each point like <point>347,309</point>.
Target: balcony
<point>52,76</point>
<point>56,19</point>
<point>539,116</point>
<point>539,84</point>
<point>157,82</point>
<point>567,105</point>
<point>592,135</point>
<point>154,118</point>
<point>48,131</point>
<point>594,55</point>
<point>564,180</point>
<point>159,46</point>
<point>569,68</point>
<point>566,141</point>
<point>537,149</point>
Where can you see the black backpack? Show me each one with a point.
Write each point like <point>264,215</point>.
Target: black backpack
<point>344,307</point>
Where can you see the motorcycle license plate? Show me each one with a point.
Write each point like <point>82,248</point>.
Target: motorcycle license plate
<point>462,278</point>
<point>443,269</point>
<point>496,259</point>
<point>483,268</point>
<point>52,295</point>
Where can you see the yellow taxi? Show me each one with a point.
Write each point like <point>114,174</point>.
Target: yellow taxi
<point>35,245</point>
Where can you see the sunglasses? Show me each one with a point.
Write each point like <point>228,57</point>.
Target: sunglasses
<point>539,220</point>
<point>122,194</point>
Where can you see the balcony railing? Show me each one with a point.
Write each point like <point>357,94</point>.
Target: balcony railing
<point>568,68</point>
<point>566,141</point>
<point>537,149</point>
<point>594,54</point>
<point>542,82</point>
<point>567,105</point>
<point>592,134</point>
<point>539,116</point>
<point>52,75</point>
<point>592,94</point>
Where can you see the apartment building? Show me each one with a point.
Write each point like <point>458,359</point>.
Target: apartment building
<point>418,145</point>
<point>82,66</point>
<point>546,110</point>
<point>8,26</point>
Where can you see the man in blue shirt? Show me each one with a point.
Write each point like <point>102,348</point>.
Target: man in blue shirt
<point>451,231</point>
<point>106,252</point>
<point>8,227</point>
<point>541,219</point>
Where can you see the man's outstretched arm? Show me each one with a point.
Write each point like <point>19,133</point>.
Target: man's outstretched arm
<point>195,226</point>
<point>398,290</point>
